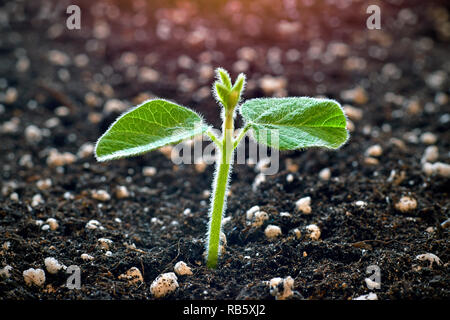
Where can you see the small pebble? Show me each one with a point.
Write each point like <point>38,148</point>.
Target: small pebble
<point>303,205</point>
<point>325,174</point>
<point>285,214</point>
<point>58,58</point>
<point>358,95</point>
<point>105,243</point>
<point>37,200</point>
<point>413,107</point>
<point>33,134</point>
<point>10,126</point>
<point>439,168</point>
<point>371,161</point>
<point>156,221</point>
<point>87,257</point>
<point>431,154</point>
<point>101,195</point>
<point>62,111</point>
<point>250,212</point>
<point>428,138</point>
<point>114,105</point>
<point>56,159</point>
<point>353,113</point>
<point>430,229</point>
<point>281,288</point>
<point>247,53</point>
<point>272,231</point>
<point>314,231</point>
<point>226,220</point>
<point>53,223</point>
<point>26,161</point>
<point>133,275</point>
<point>122,192</point>
<point>14,196</point>
<point>273,85</point>
<point>360,203</point>
<point>291,166</point>
<point>147,74</point>
<point>93,224</point>
<point>436,79</point>
<point>206,194</point>
<point>223,242</point>
<point>68,196</point>
<point>44,184</point>
<point>6,245</point>
<point>182,269</point>
<point>149,171</point>
<point>259,218</point>
<point>406,204</point>
<point>11,95</point>
<point>432,258</point>
<point>164,284</point>
<point>5,272</point>
<point>86,150</point>
<point>374,151</point>
<point>34,277</point>
<point>350,125</point>
<point>52,265</point>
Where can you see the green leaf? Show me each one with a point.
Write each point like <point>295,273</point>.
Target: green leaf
<point>225,77</point>
<point>237,89</point>
<point>239,83</point>
<point>298,122</point>
<point>151,125</point>
<point>222,94</point>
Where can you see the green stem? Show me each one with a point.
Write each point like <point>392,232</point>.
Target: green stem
<point>214,139</point>
<point>220,188</point>
<point>241,135</point>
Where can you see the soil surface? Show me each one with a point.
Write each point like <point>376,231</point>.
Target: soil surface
<point>71,84</point>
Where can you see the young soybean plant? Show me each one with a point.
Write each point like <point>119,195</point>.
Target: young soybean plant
<point>281,123</point>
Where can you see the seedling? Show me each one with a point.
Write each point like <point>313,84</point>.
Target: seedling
<point>280,123</point>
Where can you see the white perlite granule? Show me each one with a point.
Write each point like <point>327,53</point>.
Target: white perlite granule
<point>164,284</point>
<point>182,269</point>
<point>52,265</point>
<point>280,288</point>
<point>303,205</point>
<point>272,231</point>
<point>34,277</point>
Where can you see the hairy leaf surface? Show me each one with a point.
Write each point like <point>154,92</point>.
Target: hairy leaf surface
<point>151,125</point>
<point>293,123</point>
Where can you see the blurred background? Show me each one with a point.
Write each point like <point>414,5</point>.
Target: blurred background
<point>61,88</point>
<point>135,49</point>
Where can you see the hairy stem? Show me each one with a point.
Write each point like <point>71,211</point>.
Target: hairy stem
<point>221,178</point>
<point>214,139</point>
<point>241,135</point>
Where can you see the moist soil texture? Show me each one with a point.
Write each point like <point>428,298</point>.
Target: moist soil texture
<point>60,89</point>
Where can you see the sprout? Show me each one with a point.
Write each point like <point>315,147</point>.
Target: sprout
<point>279,123</point>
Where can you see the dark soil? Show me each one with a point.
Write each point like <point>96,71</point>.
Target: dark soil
<point>414,38</point>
